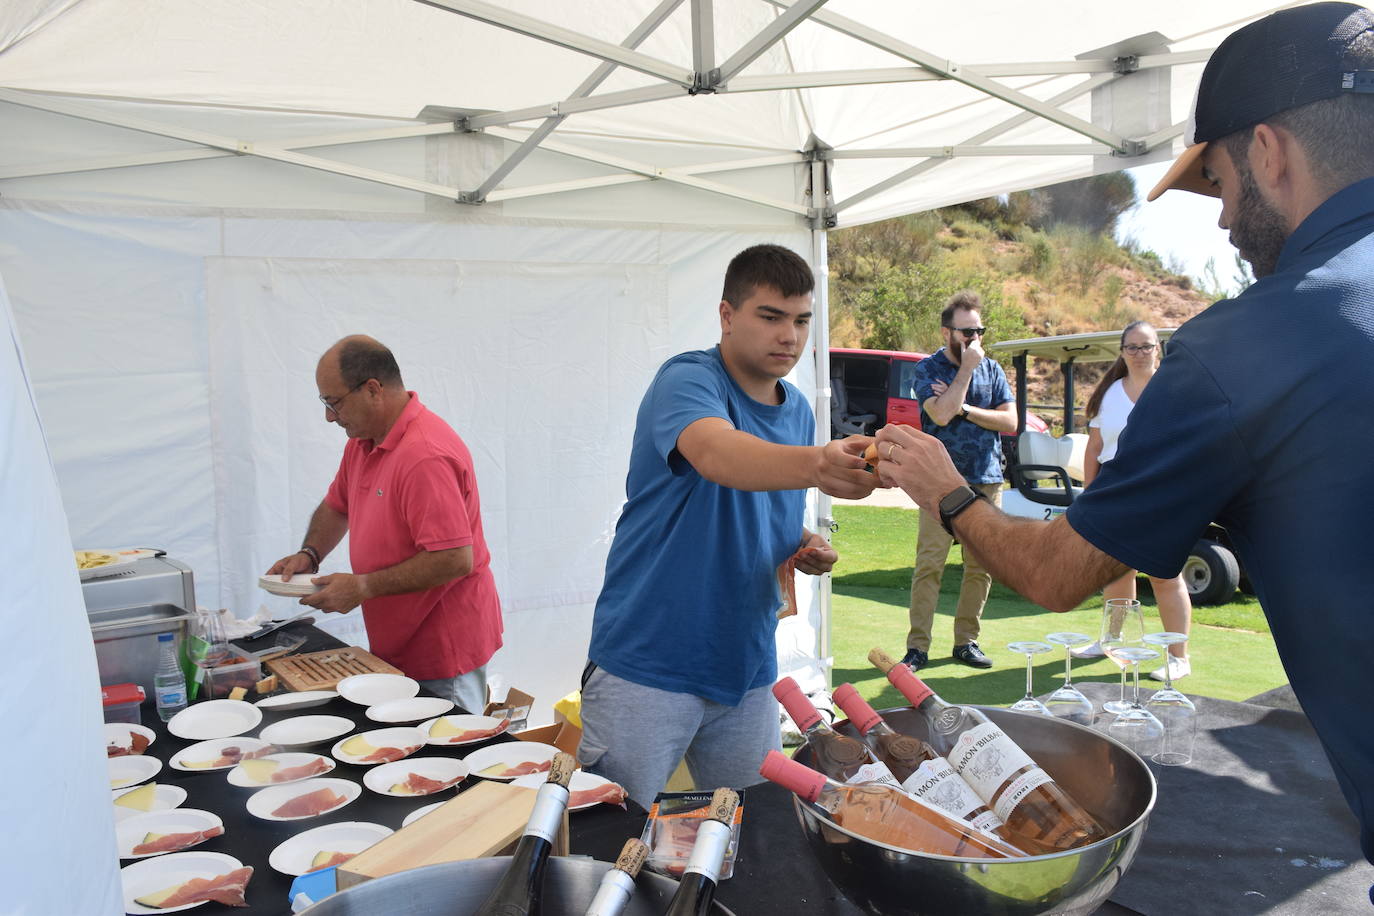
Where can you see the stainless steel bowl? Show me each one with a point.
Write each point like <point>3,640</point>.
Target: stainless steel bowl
<point>1102,774</point>
<point>458,888</point>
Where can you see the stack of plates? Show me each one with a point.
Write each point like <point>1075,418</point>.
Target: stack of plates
<point>299,586</point>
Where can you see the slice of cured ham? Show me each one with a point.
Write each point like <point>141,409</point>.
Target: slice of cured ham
<point>421,785</point>
<point>227,889</point>
<point>310,804</point>
<point>477,734</point>
<point>611,793</point>
<point>313,768</point>
<point>137,744</point>
<point>524,769</point>
<point>170,842</point>
<point>384,754</point>
<point>335,858</point>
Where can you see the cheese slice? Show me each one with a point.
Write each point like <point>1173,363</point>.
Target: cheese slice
<point>140,799</point>
<point>157,898</point>
<point>401,788</point>
<point>444,729</point>
<point>152,837</point>
<point>357,746</point>
<point>260,770</point>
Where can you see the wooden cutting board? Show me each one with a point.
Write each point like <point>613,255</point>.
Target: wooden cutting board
<point>324,670</point>
<point>484,820</point>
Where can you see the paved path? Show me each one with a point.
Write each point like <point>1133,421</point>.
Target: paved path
<point>881,497</point>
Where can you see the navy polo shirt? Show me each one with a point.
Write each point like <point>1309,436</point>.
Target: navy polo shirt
<point>975,451</point>
<point>1260,418</point>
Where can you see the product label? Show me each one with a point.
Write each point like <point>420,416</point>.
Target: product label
<point>713,839</point>
<point>169,696</point>
<point>873,772</point>
<point>985,757</point>
<point>936,782</point>
<point>1018,790</point>
<point>547,815</point>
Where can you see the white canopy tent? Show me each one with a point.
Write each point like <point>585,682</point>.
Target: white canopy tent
<point>532,203</point>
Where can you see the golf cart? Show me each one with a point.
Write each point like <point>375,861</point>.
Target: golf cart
<point>1046,472</point>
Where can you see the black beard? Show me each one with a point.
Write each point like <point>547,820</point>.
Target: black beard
<point>1258,231</point>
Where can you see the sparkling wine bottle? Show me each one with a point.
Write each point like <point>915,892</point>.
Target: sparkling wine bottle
<point>838,756</point>
<point>518,891</point>
<point>1029,802</point>
<point>697,889</point>
<point>886,814</point>
<point>618,884</point>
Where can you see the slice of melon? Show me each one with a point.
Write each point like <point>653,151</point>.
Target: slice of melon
<point>444,729</point>
<point>357,746</point>
<point>260,770</point>
<point>156,899</point>
<point>140,799</point>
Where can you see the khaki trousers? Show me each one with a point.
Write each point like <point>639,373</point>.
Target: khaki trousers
<point>932,550</point>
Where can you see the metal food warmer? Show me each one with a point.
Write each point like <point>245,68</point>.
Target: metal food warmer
<point>129,608</point>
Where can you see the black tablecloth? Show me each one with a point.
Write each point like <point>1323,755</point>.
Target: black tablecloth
<point>1255,824</point>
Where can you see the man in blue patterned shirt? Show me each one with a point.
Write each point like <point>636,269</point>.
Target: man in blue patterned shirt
<point>967,404</point>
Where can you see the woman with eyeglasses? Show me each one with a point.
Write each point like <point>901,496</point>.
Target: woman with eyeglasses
<point>1108,409</point>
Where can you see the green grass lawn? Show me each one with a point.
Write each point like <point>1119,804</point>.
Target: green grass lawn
<point>1232,652</point>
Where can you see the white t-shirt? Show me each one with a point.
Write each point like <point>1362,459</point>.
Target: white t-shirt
<point>1111,418</point>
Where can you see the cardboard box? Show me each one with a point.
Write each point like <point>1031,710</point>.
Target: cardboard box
<point>563,735</point>
<point>515,707</point>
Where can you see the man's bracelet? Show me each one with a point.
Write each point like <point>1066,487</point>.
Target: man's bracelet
<point>312,553</point>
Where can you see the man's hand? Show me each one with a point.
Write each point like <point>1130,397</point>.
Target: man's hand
<point>295,564</point>
<point>342,592</point>
<point>840,468</point>
<point>816,556</point>
<point>938,387</point>
<point>972,355</point>
<point>917,463</point>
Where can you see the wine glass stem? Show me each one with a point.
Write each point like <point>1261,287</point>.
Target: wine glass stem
<point>1029,658</point>
<point>1135,672</point>
<point>1168,670</point>
<point>1068,666</point>
<point>1123,685</point>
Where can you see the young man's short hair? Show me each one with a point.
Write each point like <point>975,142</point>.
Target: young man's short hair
<point>773,266</point>
<point>966,300</point>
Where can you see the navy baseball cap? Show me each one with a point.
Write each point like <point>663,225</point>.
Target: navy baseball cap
<point>1285,60</point>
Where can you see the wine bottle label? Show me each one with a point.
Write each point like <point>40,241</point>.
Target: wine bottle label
<point>936,782</point>
<point>708,853</point>
<point>986,758</point>
<point>873,772</point>
<point>547,816</point>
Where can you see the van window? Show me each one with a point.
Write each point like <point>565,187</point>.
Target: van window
<point>906,380</point>
<point>865,373</point>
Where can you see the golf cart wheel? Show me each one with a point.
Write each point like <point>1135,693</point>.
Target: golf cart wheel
<point>1211,573</point>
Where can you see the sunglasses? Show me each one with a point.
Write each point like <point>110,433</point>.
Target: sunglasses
<point>969,333</point>
<point>1138,348</point>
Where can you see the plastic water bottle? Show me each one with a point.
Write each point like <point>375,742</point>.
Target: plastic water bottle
<point>169,684</point>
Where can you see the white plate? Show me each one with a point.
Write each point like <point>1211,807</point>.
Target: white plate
<point>412,709</point>
<point>418,813</point>
<point>302,731</point>
<point>401,736</point>
<point>158,872</point>
<point>381,779</point>
<point>295,855</point>
<point>299,586</point>
<point>131,770</point>
<point>264,801</point>
<point>206,751</point>
<point>372,689</point>
<point>509,753</point>
<point>581,781</point>
<point>131,831</point>
<point>118,733</point>
<point>239,777</point>
<point>120,563</point>
<point>303,699</point>
<point>164,797</point>
<point>214,719</point>
<point>464,722</point>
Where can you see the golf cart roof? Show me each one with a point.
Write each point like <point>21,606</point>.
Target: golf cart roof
<point>1093,347</point>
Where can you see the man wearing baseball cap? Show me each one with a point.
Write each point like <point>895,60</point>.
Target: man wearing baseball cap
<point>1259,416</point>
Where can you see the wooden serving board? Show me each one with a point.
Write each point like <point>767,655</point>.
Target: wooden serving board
<point>324,670</point>
<point>484,820</point>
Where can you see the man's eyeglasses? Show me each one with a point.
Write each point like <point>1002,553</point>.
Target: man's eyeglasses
<point>1134,349</point>
<point>969,333</point>
<point>332,404</point>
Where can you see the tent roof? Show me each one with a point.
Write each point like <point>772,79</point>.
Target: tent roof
<point>911,110</point>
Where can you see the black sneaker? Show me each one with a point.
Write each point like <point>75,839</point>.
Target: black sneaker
<point>915,659</point>
<point>971,655</point>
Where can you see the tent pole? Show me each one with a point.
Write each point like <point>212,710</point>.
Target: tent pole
<point>820,333</point>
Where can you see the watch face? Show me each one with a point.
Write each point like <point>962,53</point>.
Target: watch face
<point>953,501</point>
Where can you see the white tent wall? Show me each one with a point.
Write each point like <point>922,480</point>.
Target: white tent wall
<point>50,660</point>
<point>178,386</point>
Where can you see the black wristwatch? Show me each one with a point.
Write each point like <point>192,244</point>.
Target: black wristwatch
<point>956,501</point>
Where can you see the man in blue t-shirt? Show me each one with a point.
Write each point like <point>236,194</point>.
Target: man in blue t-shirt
<point>682,656</point>
<point>967,404</point>
<point>1258,416</point>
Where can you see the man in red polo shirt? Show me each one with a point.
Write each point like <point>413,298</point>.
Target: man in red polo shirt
<point>406,494</point>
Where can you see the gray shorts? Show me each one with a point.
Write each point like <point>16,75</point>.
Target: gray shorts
<point>636,735</point>
<point>468,691</point>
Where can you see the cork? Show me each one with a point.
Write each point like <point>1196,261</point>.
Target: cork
<point>881,660</point>
<point>632,856</point>
<point>561,770</point>
<point>723,804</point>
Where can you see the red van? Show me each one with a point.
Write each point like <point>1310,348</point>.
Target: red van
<point>870,388</point>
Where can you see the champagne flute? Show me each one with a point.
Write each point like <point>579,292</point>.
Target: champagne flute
<point>1068,702</point>
<point>1172,708</point>
<point>1030,649</point>
<point>1122,626</point>
<point>1136,727</point>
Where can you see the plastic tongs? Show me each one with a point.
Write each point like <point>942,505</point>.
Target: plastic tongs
<point>274,627</point>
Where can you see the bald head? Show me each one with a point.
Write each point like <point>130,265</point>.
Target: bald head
<point>361,386</point>
<point>357,358</point>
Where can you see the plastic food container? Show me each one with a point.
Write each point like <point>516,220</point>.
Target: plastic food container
<point>221,679</point>
<point>121,702</point>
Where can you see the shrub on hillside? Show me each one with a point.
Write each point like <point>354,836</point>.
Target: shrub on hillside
<point>900,309</point>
